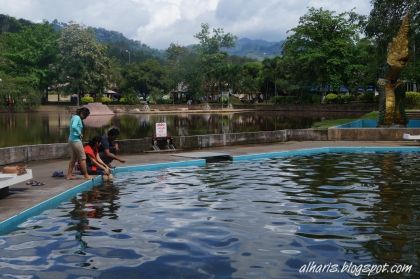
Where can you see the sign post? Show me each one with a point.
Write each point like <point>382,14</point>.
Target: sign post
<point>161,130</point>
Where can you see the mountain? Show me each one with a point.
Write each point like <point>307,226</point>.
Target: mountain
<point>119,44</point>
<point>118,40</point>
<point>256,49</point>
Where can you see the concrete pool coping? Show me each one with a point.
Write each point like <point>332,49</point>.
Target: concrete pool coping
<point>28,201</point>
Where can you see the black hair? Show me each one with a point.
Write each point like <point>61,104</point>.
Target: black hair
<point>83,110</point>
<point>113,132</point>
<point>94,140</point>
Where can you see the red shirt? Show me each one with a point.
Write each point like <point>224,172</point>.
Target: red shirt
<point>90,152</point>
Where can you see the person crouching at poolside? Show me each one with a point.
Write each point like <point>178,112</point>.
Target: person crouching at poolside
<point>75,143</point>
<point>93,161</point>
<point>109,148</point>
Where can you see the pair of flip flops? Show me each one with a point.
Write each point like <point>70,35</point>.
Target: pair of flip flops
<point>58,174</point>
<point>34,183</point>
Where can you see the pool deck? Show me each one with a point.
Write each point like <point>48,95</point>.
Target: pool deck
<point>22,196</point>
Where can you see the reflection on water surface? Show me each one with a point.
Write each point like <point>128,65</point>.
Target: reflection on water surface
<point>35,128</point>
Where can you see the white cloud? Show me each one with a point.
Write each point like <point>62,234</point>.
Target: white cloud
<point>160,22</point>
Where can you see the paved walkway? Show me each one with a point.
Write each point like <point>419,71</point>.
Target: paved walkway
<point>22,196</point>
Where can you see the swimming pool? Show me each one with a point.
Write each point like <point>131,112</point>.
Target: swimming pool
<point>250,219</point>
<point>373,123</point>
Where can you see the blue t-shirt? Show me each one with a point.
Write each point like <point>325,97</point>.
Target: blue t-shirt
<point>76,127</point>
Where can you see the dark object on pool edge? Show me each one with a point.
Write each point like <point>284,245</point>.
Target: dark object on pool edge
<point>34,183</point>
<point>159,143</point>
<point>58,174</point>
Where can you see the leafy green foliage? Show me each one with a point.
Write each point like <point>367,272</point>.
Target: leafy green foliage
<point>87,99</point>
<point>141,79</point>
<point>81,61</point>
<point>212,59</point>
<point>11,24</point>
<point>412,100</point>
<point>322,49</point>
<point>18,94</point>
<point>366,97</point>
<point>130,97</point>
<point>284,100</point>
<point>105,100</point>
<point>331,98</point>
<point>30,54</point>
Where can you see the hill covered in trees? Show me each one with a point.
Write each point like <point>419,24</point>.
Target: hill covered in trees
<point>256,49</point>
<point>325,51</point>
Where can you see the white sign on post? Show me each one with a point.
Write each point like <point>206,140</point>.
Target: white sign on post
<point>161,131</point>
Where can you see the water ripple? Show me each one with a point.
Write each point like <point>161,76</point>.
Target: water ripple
<point>259,219</point>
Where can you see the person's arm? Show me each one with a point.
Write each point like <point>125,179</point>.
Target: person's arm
<point>112,155</point>
<point>96,163</point>
<point>103,165</point>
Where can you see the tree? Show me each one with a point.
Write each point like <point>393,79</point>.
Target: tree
<point>211,55</point>
<point>81,61</point>
<point>18,93</point>
<point>176,56</point>
<point>149,77</point>
<point>322,47</point>
<point>11,24</point>
<point>251,79</point>
<point>29,55</point>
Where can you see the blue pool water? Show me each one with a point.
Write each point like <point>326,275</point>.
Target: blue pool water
<point>372,123</point>
<point>258,219</point>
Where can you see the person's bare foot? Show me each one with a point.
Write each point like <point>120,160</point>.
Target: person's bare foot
<point>71,177</point>
<point>87,177</point>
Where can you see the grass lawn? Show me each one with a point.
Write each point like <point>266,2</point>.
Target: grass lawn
<point>335,122</point>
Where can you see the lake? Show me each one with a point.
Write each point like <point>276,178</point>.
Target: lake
<point>52,127</point>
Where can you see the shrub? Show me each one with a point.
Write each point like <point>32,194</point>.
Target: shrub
<point>282,100</point>
<point>307,98</point>
<point>412,100</point>
<point>163,101</point>
<point>368,97</point>
<point>331,98</point>
<point>224,100</point>
<point>344,99</point>
<point>105,100</point>
<point>315,99</point>
<point>87,99</point>
<point>129,100</point>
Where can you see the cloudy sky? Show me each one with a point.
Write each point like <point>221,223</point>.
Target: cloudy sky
<point>157,23</point>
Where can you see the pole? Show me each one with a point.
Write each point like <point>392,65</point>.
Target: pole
<point>129,58</point>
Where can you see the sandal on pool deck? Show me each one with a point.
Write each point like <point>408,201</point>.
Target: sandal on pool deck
<point>58,174</point>
<point>34,183</point>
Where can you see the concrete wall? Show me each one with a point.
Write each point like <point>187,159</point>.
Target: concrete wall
<point>371,134</point>
<point>10,155</point>
<point>307,134</point>
<point>26,153</point>
<point>352,107</point>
